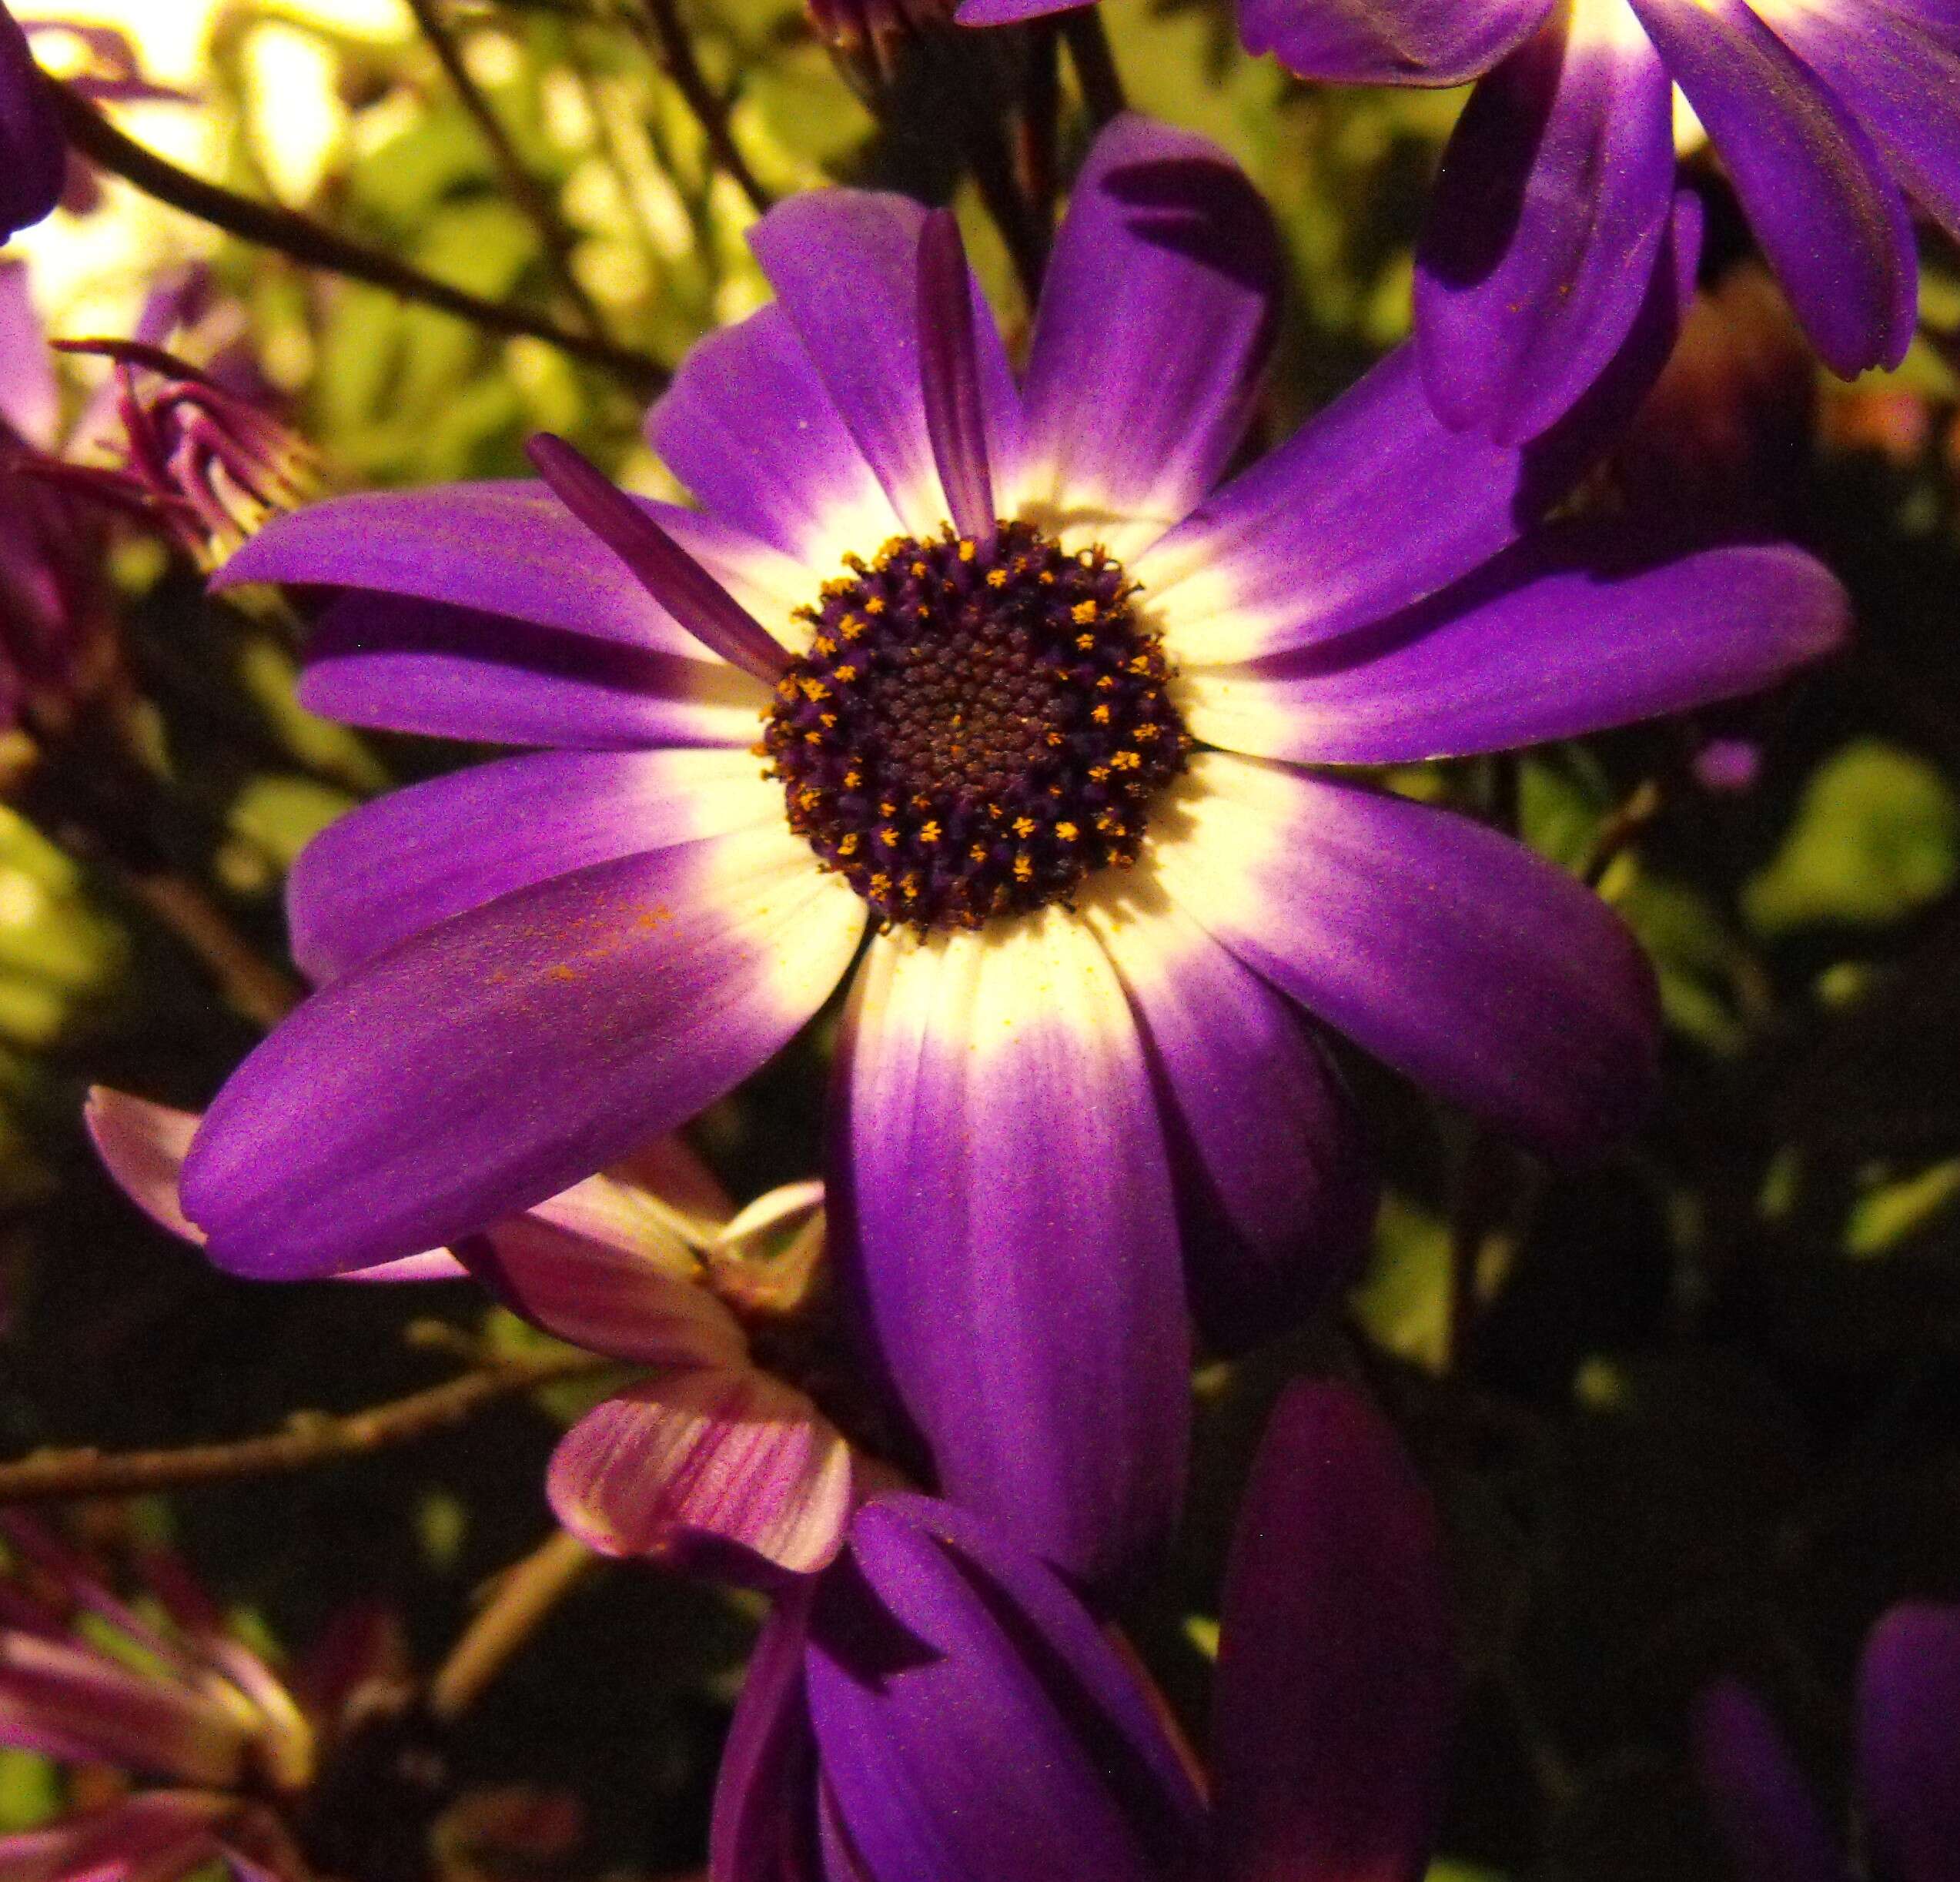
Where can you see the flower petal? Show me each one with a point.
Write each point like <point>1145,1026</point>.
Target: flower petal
<point>33,152</point>
<point>1768,1817</point>
<point>409,666</point>
<point>1156,324</point>
<point>1581,628</point>
<point>972,1721</point>
<point>1897,69</point>
<point>30,398</point>
<point>1547,223</point>
<point>1908,1742</point>
<point>608,1293</point>
<point>1375,503</point>
<point>482,1066</point>
<point>66,1702</point>
<point>1276,1185</point>
<point>747,426</point>
<point>418,856</point>
<point>1449,950</point>
<point>725,1453</point>
<point>765,1794</point>
<point>845,265</point>
<point>1831,220</point>
<point>1387,41</point>
<point>506,549</point>
<point>1001,1204</point>
<point>1334,1708</point>
<point>143,1146</point>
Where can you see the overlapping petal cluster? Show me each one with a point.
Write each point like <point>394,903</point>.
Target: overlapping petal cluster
<point>1044,1125</point>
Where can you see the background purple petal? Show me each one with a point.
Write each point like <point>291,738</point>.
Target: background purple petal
<point>1908,1742</point>
<point>1387,41</point>
<point>1774,1828</point>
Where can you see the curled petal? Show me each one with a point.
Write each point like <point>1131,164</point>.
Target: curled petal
<point>724,1454</point>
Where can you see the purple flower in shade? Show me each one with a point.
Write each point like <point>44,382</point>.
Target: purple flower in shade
<point>1909,1765</point>
<point>167,1695</point>
<point>1054,764</point>
<point>938,1707</point>
<point>33,153</point>
<point>1554,200</point>
<point>706,1451</point>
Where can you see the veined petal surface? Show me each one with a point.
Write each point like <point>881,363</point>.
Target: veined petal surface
<point>1450,951</point>
<point>1387,41</point>
<point>486,1064</point>
<point>1001,1201</point>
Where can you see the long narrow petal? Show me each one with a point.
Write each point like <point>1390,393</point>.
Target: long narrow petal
<point>1334,1708</point>
<point>33,153</point>
<point>685,591</point>
<point>68,1703</point>
<point>1375,504</point>
<point>728,1455</point>
<point>764,1827</point>
<point>747,426</point>
<point>1547,223</point>
<point>30,396</point>
<point>1897,68</point>
<point>410,666</point>
<point>845,265</point>
<point>416,857</point>
<point>1450,951</point>
<point>974,1723</point>
<point>1908,1742</point>
<point>1772,1825</point>
<point>1832,222</point>
<point>1387,41</point>
<point>1276,1185</point>
<point>1583,627</point>
<point>1001,1201</point>
<point>482,1066</point>
<point>1155,325</point>
<point>506,549</point>
<point>949,368</point>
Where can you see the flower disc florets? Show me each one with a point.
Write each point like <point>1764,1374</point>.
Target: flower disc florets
<point>977,727</point>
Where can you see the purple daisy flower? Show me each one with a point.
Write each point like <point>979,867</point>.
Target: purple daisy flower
<point>938,1707</point>
<point>1554,198</point>
<point>33,153</point>
<point>1035,694</point>
<point>1908,1764</point>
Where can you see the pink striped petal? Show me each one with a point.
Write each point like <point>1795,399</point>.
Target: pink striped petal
<point>726,1455</point>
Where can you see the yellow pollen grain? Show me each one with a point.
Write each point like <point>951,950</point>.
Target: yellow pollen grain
<point>1083,613</point>
<point>1024,827</point>
<point>888,835</point>
<point>1101,715</point>
<point>928,833</point>
<point>997,578</point>
<point>847,843</point>
<point>1023,869</point>
<point>967,549</point>
<point>844,675</point>
<point>1067,832</point>
<point>875,605</point>
<point>1084,642</point>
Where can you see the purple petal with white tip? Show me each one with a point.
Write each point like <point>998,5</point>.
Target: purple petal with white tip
<point>1831,221</point>
<point>1275,1184</point>
<point>484,1064</point>
<point>1453,953</point>
<point>1547,223</point>
<point>724,1453</point>
<point>1001,1203</point>
<point>1335,1705</point>
<point>944,1670</point>
<point>1150,346</point>
<point>1908,1742</point>
<point>747,426</point>
<point>1772,1823</point>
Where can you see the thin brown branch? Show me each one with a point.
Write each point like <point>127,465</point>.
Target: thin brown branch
<point>310,1439</point>
<point>301,239</point>
<point>523,187</point>
<point>263,993</point>
<point>676,50</point>
<point>524,1596</point>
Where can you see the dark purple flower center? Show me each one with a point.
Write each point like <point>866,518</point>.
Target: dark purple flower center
<point>978,726</point>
